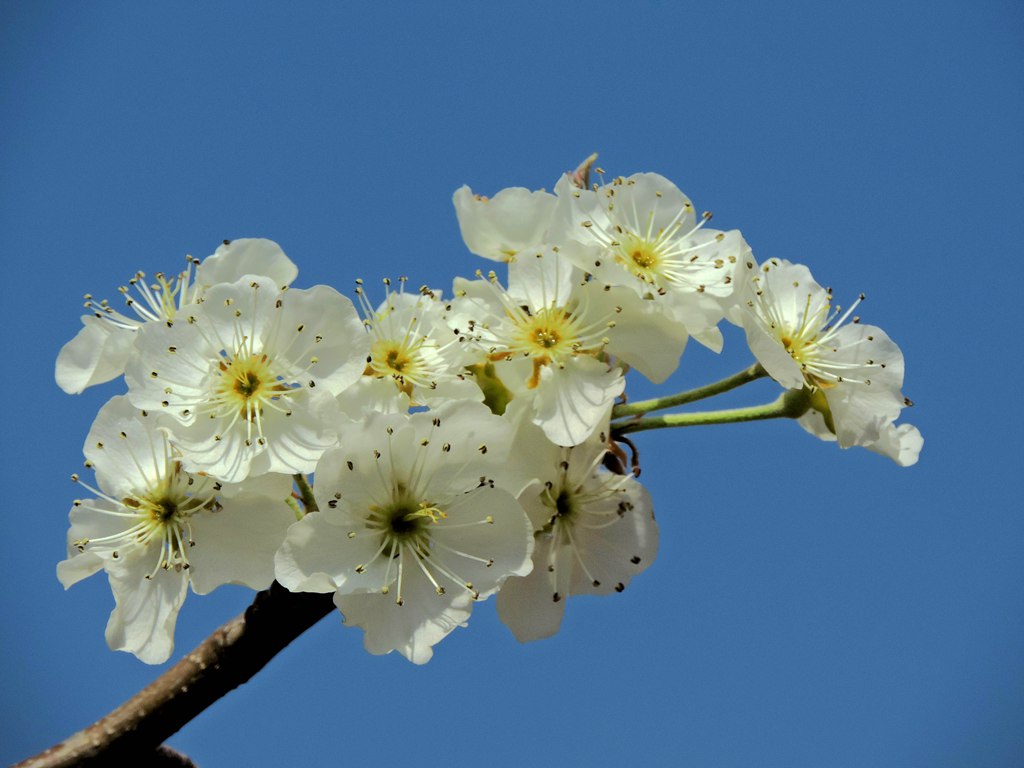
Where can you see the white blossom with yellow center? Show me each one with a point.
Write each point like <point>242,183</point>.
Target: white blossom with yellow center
<point>101,349</point>
<point>547,340</point>
<point>414,359</point>
<point>853,371</point>
<point>154,528</point>
<point>593,530</point>
<point>247,377</point>
<point>554,338</point>
<point>642,232</point>
<point>413,526</point>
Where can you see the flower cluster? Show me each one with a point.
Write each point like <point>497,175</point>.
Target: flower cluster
<point>460,445</point>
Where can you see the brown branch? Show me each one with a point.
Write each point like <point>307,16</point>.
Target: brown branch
<point>133,733</point>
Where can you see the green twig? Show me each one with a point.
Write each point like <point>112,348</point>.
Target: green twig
<point>745,376</point>
<point>306,490</point>
<point>791,404</point>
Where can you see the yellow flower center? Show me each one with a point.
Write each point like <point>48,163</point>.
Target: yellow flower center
<point>247,381</point>
<point>546,338</point>
<point>640,256</point>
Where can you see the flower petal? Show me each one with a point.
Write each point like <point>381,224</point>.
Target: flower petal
<point>571,402</point>
<point>146,610</point>
<point>413,628</point>
<point>97,354</point>
<point>236,544</point>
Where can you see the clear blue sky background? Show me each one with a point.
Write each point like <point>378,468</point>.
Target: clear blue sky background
<point>808,607</point>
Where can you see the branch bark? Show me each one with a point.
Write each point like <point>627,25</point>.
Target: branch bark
<point>134,732</point>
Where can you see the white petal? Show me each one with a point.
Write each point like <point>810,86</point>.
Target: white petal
<point>901,443</point>
<point>533,458</point>
<point>858,413</point>
<point>274,485</point>
<point>317,556</point>
<point>320,334</point>
<point>710,338</point>
<point>349,476</point>
<point>174,368</point>
<point>372,395</point>
<point>792,289</point>
<point>614,553</point>
<point>413,628</point>
<point>247,308</point>
<point>500,227</point>
<point>466,442</point>
<point>540,278</point>
<point>88,521</point>
<point>125,448</point>
<point>771,354</point>
<point>247,256</point>
<point>451,390</point>
<point>571,402</point>
<point>526,605</point>
<point>206,448</point>
<point>505,544</point>
<point>146,610</point>
<point>814,422</point>
<point>77,567</point>
<point>97,354</point>
<point>869,395</point>
<point>643,336</point>
<point>294,440</point>
<point>450,447</point>
<point>654,202</point>
<point>710,286</point>
<point>236,544</point>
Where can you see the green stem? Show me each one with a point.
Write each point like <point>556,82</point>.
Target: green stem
<point>306,490</point>
<point>790,404</point>
<point>745,376</point>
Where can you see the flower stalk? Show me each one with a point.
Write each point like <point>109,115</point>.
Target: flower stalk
<point>791,404</point>
<point>747,375</point>
<point>305,493</point>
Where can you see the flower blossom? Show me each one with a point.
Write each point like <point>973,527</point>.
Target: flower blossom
<point>100,350</point>
<point>853,372</point>
<point>550,334</point>
<point>247,377</point>
<point>413,527</point>
<point>593,530</point>
<point>413,361</point>
<point>154,529</point>
<point>643,233</point>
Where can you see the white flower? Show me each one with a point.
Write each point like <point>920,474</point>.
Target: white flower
<point>853,372</point>
<point>414,358</point>
<point>594,531</point>
<point>100,351</point>
<point>154,528</point>
<point>544,342</point>
<point>412,527</point>
<point>642,232</point>
<point>549,336</point>
<point>248,377</point>
<point>498,228</point>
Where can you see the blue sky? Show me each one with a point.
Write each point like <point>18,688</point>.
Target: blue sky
<point>808,606</point>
